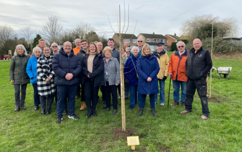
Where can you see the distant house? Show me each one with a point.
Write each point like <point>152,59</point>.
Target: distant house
<point>171,39</point>
<point>153,39</point>
<point>235,40</point>
<point>131,38</point>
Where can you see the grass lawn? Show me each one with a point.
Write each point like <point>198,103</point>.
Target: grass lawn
<point>27,130</point>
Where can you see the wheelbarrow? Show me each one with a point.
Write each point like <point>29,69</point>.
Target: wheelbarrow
<point>225,71</point>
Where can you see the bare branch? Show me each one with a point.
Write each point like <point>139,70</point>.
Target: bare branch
<point>111,25</point>
<point>26,32</point>
<point>128,21</point>
<point>52,29</point>
<point>124,17</point>
<point>134,29</point>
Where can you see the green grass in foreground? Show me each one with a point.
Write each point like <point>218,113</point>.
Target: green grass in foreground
<point>27,130</point>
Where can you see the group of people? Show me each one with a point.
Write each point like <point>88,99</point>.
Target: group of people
<point>63,74</point>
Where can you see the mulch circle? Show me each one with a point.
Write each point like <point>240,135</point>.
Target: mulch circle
<point>213,99</point>
<point>118,133</point>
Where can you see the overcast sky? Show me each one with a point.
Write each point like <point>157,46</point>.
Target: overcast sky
<point>159,16</point>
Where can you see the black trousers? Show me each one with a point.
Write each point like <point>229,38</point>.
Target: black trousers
<point>82,93</point>
<point>201,87</point>
<point>103,95</point>
<point>111,89</point>
<point>78,90</point>
<point>18,101</point>
<point>91,94</point>
<point>46,100</point>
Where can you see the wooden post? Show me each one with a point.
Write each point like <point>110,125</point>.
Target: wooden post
<point>121,76</point>
<point>211,70</point>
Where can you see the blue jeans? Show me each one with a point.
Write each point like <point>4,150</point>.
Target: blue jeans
<point>162,91</point>
<point>61,93</point>
<point>36,95</point>
<point>143,98</point>
<point>133,89</point>
<point>176,88</point>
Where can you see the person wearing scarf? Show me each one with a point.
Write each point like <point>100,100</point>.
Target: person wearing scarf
<point>93,69</point>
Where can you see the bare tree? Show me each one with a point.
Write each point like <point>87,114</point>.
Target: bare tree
<point>194,28</point>
<point>52,30</point>
<point>6,33</point>
<point>82,29</point>
<point>26,32</point>
<point>227,27</point>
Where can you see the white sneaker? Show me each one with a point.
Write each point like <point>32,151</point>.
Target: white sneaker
<point>162,104</point>
<point>204,117</point>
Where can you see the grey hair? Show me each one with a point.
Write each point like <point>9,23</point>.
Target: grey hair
<point>77,40</point>
<point>140,37</point>
<point>53,44</point>
<point>134,48</point>
<point>100,42</point>
<point>34,49</point>
<point>180,42</point>
<point>15,52</point>
<point>128,48</point>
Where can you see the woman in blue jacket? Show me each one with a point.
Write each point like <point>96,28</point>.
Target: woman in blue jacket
<point>148,69</point>
<point>31,70</point>
<point>130,73</point>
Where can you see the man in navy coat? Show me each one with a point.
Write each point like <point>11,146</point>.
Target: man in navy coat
<point>67,68</point>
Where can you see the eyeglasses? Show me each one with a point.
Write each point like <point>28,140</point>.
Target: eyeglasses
<point>181,46</point>
<point>54,46</point>
<point>140,41</point>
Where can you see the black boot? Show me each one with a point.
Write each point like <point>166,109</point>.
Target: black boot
<point>153,112</point>
<point>114,111</point>
<point>42,111</point>
<point>43,106</point>
<point>36,108</point>
<point>140,111</point>
<point>94,113</point>
<point>89,113</point>
<point>17,108</point>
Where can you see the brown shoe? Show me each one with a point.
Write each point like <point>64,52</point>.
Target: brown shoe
<point>17,108</point>
<point>83,106</point>
<point>183,104</point>
<point>175,103</point>
<point>204,117</point>
<point>185,112</point>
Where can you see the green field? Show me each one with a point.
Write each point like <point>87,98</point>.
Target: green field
<point>27,130</point>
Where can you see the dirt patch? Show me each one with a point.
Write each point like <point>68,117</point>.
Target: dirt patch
<point>213,99</point>
<point>143,149</point>
<point>189,145</point>
<point>118,133</point>
<point>165,149</point>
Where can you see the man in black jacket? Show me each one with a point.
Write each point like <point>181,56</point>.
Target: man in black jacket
<point>198,64</point>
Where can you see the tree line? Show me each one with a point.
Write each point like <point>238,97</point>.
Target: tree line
<point>52,31</point>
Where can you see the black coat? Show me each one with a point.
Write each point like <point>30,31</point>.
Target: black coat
<point>198,64</point>
<point>97,73</point>
<point>63,64</point>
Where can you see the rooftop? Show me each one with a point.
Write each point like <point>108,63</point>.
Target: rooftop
<point>127,36</point>
<point>153,35</point>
